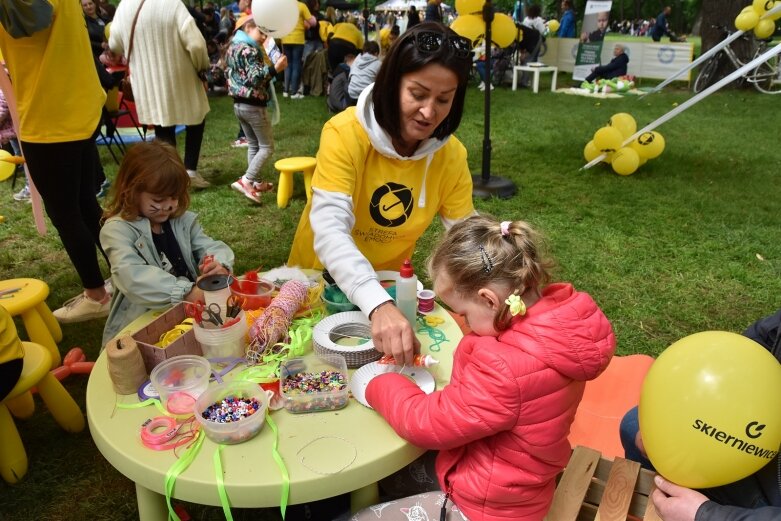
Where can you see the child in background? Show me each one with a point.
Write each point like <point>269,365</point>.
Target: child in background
<point>363,71</point>
<point>156,248</point>
<point>250,72</point>
<point>501,424</point>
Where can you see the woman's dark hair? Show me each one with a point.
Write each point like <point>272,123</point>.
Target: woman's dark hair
<point>403,58</point>
<point>533,11</point>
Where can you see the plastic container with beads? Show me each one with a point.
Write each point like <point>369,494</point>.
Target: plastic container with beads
<point>314,383</point>
<point>232,428</point>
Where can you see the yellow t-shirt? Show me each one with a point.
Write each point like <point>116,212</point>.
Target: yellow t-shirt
<point>55,81</point>
<point>349,32</point>
<point>10,346</point>
<point>385,193</point>
<point>297,36</point>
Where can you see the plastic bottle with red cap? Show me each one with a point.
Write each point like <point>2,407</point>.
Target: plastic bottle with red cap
<point>407,293</point>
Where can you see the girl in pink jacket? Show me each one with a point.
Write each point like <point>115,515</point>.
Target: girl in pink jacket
<point>500,427</point>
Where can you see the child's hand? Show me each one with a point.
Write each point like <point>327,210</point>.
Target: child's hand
<point>209,266</point>
<point>281,64</point>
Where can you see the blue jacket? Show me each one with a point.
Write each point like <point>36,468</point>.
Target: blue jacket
<point>660,27</point>
<point>567,24</point>
<point>140,282</point>
<point>616,67</point>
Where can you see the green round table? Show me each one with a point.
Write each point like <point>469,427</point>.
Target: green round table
<point>313,446</point>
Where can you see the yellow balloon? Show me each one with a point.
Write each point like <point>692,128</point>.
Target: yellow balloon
<point>746,21</point>
<point>107,30</point>
<point>608,139</point>
<point>709,411</point>
<point>590,152</point>
<point>469,6</point>
<point>625,161</point>
<point>762,6</point>
<point>469,26</point>
<point>6,168</point>
<point>765,28</point>
<point>648,145</point>
<point>503,30</point>
<point>624,123</point>
<point>553,25</point>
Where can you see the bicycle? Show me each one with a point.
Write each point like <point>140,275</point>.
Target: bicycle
<point>766,78</point>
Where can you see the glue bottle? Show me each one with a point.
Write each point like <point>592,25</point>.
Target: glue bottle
<point>407,293</point>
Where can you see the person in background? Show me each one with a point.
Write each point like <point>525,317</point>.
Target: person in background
<point>388,35</point>
<point>413,17</point>
<point>434,11</point>
<point>481,62</point>
<point>250,72</point>
<point>753,498</point>
<point>661,27</point>
<point>60,102</point>
<point>567,22</point>
<point>346,39</point>
<point>312,40</point>
<point>11,354</point>
<point>96,27</point>
<point>338,99</point>
<point>169,64</point>
<point>385,170</point>
<point>534,20</point>
<point>363,71</point>
<point>293,47</point>
<point>157,249</point>
<point>500,426</point>
<point>617,66</point>
<point>227,23</point>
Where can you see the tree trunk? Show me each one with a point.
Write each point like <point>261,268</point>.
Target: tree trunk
<point>718,16</point>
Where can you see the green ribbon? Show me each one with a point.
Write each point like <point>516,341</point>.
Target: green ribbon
<point>281,464</point>
<point>435,334</point>
<point>177,468</point>
<point>148,402</point>
<point>226,506</point>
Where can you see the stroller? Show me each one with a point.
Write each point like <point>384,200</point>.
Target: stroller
<point>528,46</point>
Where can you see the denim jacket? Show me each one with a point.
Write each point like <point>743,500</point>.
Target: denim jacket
<point>140,282</point>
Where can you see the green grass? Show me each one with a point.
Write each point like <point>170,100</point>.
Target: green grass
<point>686,244</point>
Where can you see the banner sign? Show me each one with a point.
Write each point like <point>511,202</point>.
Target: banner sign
<point>596,20</point>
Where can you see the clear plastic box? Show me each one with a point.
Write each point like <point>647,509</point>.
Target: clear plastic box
<point>180,381</point>
<point>237,431</point>
<point>314,383</point>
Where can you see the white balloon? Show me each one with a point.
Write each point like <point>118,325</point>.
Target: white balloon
<point>277,18</point>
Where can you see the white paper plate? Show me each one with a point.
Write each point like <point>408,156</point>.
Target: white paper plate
<point>356,355</point>
<point>361,378</point>
<point>388,278</point>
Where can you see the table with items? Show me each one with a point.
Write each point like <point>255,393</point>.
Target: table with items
<point>322,442</point>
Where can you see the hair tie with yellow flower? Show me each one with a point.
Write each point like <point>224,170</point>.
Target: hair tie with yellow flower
<point>517,306</point>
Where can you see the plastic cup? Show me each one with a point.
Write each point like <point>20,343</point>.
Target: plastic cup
<point>228,342</point>
<point>180,380</point>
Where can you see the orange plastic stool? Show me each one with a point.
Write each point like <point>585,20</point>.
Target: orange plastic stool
<point>30,302</point>
<point>35,372</point>
<point>287,167</point>
<point>605,401</point>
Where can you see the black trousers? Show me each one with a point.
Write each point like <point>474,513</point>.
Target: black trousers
<point>64,174</point>
<point>192,142</point>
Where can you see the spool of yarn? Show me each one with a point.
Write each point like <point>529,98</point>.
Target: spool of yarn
<point>216,290</point>
<point>125,365</point>
<point>272,326</point>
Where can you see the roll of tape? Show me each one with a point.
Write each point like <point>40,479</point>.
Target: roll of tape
<point>147,391</point>
<point>157,433</point>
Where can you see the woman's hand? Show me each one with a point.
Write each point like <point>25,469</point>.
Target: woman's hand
<point>393,335</point>
<point>675,503</point>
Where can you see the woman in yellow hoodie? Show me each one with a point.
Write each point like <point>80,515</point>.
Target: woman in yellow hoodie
<point>385,169</point>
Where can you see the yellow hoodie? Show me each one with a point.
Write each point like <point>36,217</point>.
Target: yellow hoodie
<point>10,346</point>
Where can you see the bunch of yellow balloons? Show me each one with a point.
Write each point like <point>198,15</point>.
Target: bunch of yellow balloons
<point>749,18</point>
<point>609,140</point>
<point>470,24</point>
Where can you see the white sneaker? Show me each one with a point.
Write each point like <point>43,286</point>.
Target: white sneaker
<point>81,308</point>
<point>481,86</point>
<point>240,143</point>
<point>23,195</point>
<point>285,94</point>
<point>297,96</point>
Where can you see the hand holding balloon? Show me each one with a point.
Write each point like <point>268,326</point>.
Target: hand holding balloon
<point>675,503</point>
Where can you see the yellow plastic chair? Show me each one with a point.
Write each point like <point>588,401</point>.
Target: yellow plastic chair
<point>287,167</point>
<point>35,372</point>
<point>28,299</point>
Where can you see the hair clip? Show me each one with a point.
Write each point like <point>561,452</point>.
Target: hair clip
<point>505,227</point>
<point>488,264</point>
<point>517,306</point>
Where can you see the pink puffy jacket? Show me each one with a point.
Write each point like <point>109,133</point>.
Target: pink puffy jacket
<point>501,425</point>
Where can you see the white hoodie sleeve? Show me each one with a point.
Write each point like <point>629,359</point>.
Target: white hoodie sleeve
<point>332,220</point>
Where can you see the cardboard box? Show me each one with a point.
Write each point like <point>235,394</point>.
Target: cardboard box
<point>147,337</point>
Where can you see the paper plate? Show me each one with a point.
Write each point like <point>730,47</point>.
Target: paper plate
<point>388,278</point>
<point>349,323</point>
<point>361,378</point>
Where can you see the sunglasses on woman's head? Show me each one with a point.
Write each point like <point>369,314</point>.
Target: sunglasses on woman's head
<point>432,41</point>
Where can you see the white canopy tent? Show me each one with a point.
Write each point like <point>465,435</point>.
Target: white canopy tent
<point>404,5</point>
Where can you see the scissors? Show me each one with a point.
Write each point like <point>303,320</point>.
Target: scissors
<point>234,305</point>
<point>200,312</point>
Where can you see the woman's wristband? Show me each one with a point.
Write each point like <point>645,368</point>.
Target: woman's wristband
<point>378,307</point>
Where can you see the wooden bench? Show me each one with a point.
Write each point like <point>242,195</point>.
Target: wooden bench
<point>596,488</point>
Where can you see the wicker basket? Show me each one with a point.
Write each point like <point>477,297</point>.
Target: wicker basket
<point>349,325</point>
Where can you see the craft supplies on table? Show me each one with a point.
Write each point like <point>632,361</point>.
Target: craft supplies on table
<point>180,381</point>
<point>335,300</point>
<point>418,360</point>
<point>232,412</point>
<point>426,301</point>
<point>406,293</point>
<point>222,342</point>
<point>125,365</point>
<point>149,336</point>
<point>361,378</point>
<point>216,289</point>
<point>314,383</point>
<point>348,335</point>
<point>272,326</point>
<point>256,293</point>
